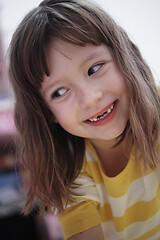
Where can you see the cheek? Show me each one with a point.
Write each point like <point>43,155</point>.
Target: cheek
<point>68,119</point>
<point>115,80</point>
<point>63,115</point>
<point>120,83</point>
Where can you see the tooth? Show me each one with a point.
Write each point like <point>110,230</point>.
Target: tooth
<point>103,116</point>
<point>93,120</point>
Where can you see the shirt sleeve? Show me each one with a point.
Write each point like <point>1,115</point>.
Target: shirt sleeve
<point>83,214</point>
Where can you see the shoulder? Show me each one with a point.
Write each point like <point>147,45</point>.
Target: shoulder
<point>83,213</point>
<point>84,185</point>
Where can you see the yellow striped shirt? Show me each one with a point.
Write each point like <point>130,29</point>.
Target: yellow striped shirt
<point>127,206</point>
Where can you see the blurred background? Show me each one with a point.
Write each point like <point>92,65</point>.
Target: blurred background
<point>141,20</point>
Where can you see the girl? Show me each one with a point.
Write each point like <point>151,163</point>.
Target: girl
<point>87,114</point>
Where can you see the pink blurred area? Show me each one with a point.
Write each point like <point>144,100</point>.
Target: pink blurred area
<point>52,226</point>
<point>7,126</point>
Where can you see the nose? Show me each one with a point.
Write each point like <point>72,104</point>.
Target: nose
<point>90,96</point>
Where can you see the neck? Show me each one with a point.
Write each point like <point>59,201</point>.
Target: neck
<point>113,158</point>
<point>104,145</point>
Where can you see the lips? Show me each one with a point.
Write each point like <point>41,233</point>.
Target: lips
<point>102,114</point>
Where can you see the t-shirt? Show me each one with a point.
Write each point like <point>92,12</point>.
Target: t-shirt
<point>127,206</point>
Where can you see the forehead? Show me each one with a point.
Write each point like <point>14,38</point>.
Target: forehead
<point>60,50</point>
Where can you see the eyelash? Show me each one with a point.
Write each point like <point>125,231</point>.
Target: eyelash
<point>91,70</point>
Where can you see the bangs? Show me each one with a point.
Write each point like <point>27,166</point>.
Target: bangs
<point>68,23</point>
<point>77,27</point>
<point>76,22</point>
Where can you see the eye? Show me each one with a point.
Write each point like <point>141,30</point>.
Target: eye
<point>94,69</point>
<point>58,93</point>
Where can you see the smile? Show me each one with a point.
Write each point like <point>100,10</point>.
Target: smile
<point>103,114</point>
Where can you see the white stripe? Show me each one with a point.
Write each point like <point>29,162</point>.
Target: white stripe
<point>109,230</point>
<point>133,231</point>
<point>139,228</point>
<point>86,188</point>
<point>136,192</point>
<point>142,189</point>
<point>103,195</point>
<point>155,237</point>
<point>90,156</point>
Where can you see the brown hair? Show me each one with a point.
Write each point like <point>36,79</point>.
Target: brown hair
<point>52,157</point>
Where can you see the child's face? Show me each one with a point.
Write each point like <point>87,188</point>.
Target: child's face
<point>85,90</point>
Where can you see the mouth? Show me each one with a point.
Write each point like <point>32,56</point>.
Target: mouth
<point>103,114</point>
